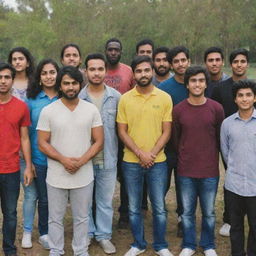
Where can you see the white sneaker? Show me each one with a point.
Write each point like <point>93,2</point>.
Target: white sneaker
<point>225,230</point>
<point>26,242</point>
<point>43,240</point>
<point>210,252</point>
<point>107,246</point>
<point>164,252</point>
<point>134,251</point>
<point>187,252</point>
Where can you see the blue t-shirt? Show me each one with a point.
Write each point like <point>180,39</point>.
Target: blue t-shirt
<point>35,107</point>
<point>176,90</point>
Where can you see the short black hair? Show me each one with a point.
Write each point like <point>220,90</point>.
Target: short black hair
<point>175,51</point>
<point>160,50</point>
<point>4,65</point>
<point>194,70</point>
<point>113,40</point>
<point>95,56</point>
<point>236,52</point>
<point>144,42</point>
<point>67,46</point>
<point>212,50</point>
<point>140,59</point>
<point>71,71</point>
<point>243,84</point>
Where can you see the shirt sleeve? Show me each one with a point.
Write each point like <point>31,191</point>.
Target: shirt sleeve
<point>96,119</point>
<point>44,121</point>
<point>121,115</point>
<point>224,141</point>
<point>25,121</point>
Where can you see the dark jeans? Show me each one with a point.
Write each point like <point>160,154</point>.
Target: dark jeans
<point>172,166</point>
<point>9,194</point>
<point>41,188</point>
<point>239,207</point>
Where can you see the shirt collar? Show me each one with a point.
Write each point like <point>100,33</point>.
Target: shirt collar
<point>236,115</point>
<point>136,93</point>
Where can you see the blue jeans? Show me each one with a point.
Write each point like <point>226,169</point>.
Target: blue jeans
<point>9,194</point>
<point>205,189</point>
<point>104,185</point>
<point>30,200</point>
<point>41,188</point>
<point>156,178</point>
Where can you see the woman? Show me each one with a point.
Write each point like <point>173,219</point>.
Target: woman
<point>40,93</point>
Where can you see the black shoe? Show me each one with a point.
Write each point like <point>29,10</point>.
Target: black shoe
<point>123,222</point>
<point>179,230</point>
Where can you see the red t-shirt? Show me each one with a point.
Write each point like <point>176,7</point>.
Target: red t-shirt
<point>13,115</point>
<point>120,78</point>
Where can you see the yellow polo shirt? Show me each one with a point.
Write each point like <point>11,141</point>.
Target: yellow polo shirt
<point>144,115</point>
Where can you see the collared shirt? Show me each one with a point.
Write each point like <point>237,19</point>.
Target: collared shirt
<point>108,114</point>
<point>156,83</point>
<point>238,145</point>
<point>35,107</point>
<point>144,115</point>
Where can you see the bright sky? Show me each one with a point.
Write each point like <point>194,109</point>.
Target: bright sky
<point>11,3</point>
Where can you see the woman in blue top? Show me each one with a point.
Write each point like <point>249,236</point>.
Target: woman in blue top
<point>40,93</point>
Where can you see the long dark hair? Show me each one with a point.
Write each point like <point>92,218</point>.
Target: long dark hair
<point>34,87</point>
<point>30,59</point>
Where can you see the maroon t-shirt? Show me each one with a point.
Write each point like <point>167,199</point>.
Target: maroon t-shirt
<point>13,115</point>
<point>196,130</point>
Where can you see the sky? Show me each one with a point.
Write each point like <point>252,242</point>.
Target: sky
<point>11,3</point>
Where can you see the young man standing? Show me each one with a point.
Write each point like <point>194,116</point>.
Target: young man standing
<point>144,156</point>
<point>214,62</point>
<point>161,65</point>
<point>178,58</point>
<point>196,130</point>
<point>239,62</point>
<point>238,149</point>
<point>106,100</point>
<point>70,133</point>
<point>14,122</point>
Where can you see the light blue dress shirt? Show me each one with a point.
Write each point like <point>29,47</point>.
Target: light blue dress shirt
<point>35,107</point>
<point>238,146</point>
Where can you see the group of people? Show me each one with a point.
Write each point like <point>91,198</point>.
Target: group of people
<point>67,133</point>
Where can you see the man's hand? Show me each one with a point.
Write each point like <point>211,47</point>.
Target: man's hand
<point>147,159</point>
<point>28,176</point>
<point>71,164</point>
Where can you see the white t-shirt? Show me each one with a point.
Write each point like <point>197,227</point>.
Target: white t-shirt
<point>70,136</point>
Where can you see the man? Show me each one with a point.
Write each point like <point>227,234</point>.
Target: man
<point>178,58</point>
<point>145,47</point>
<point>70,134</point>
<point>106,100</point>
<point>14,122</point>
<point>238,149</point>
<point>196,129</point>
<point>239,62</point>
<point>144,156</point>
<point>214,61</point>
<point>161,66</point>
<point>119,76</point>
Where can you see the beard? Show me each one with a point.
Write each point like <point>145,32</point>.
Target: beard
<point>113,61</point>
<point>163,72</point>
<point>144,84</point>
<point>67,97</point>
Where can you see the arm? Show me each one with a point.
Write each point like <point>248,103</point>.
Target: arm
<point>96,147</point>
<point>224,142</point>
<point>44,146</point>
<point>26,150</point>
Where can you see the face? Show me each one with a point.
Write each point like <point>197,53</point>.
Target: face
<point>239,65</point>
<point>145,50</point>
<point>19,61</point>
<point>180,63</point>
<point>96,71</point>
<point>6,81</point>
<point>143,74</point>
<point>161,65</point>
<point>245,99</point>
<point>113,53</point>
<point>197,85</point>
<point>214,63</point>
<point>71,57</point>
<point>69,87</point>
<point>48,75</point>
